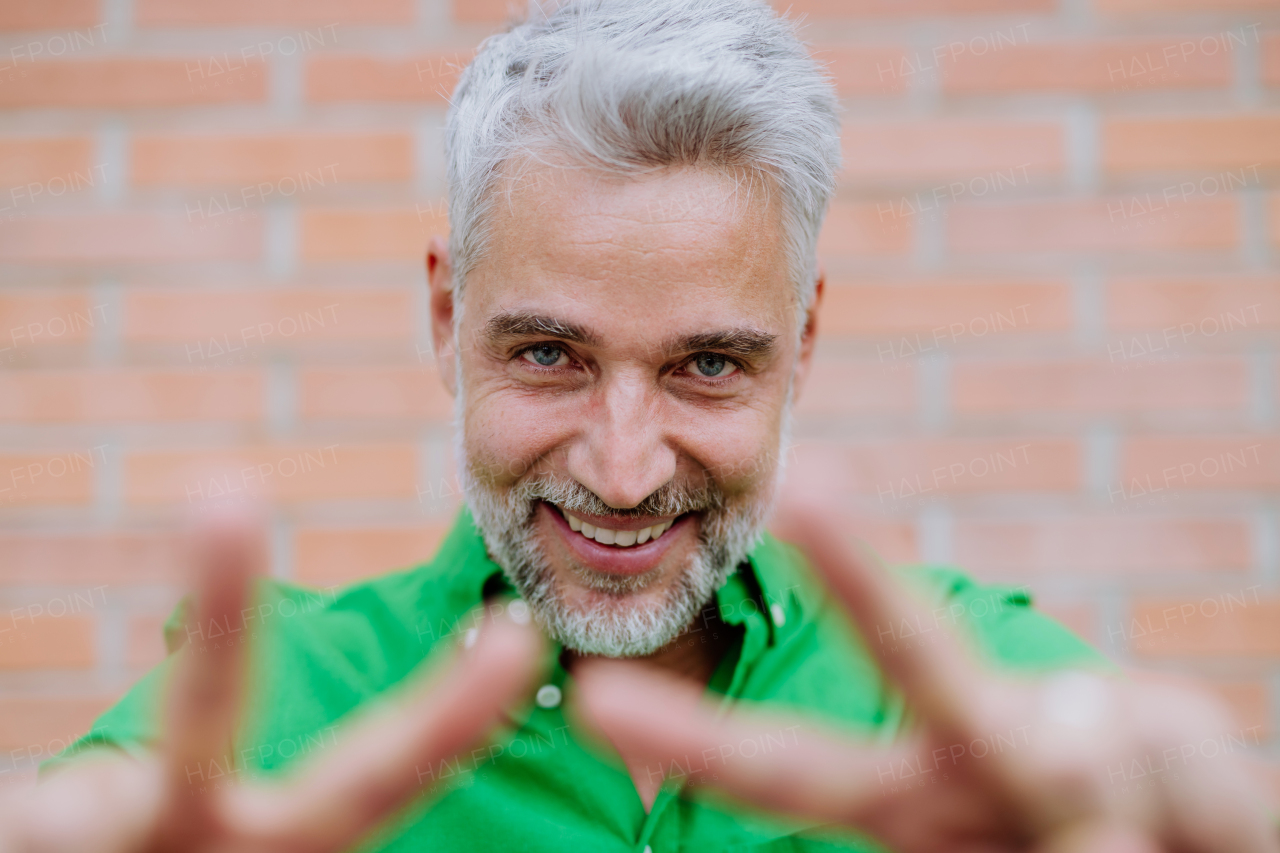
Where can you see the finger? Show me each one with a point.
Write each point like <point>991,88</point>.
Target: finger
<point>937,678</point>
<point>1208,799</point>
<point>1214,807</point>
<point>104,803</point>
<point>1099,837</point>
<point>778,764</point>
<point>228,550</point>
<point>378,766</point>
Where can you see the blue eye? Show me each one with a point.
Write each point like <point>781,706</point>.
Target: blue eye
<point>546,355</point>
<point>712,365</point>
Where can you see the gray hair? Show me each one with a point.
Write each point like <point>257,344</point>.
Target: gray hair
<point>630,87</point>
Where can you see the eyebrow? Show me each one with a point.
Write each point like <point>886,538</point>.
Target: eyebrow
<point>519,324</point>
<point>744,343</point>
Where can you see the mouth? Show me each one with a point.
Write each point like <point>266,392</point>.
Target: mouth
<point>619,538</point>
<point>628,546</point>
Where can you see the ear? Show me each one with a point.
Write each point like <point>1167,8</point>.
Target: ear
<point>440,282</point>
<point>807,338</point>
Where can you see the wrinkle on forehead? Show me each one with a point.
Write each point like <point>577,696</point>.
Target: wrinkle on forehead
<point>669,194</point>
<point>706,221</point>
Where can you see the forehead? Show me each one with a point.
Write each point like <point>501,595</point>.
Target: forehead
<point>686,246</point>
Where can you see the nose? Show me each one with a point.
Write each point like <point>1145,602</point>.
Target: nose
<point>623,452</point>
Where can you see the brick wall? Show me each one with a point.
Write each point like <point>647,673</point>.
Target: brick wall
<point>1049,343</point>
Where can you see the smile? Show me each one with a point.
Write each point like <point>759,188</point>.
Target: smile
<point>619,545</point>
<point>619,538</point>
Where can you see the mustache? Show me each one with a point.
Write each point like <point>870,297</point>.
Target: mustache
<point>572,496</point>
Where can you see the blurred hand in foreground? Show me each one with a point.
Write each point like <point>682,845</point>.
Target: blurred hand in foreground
<point>1053,788</point>
<point>106,802</point>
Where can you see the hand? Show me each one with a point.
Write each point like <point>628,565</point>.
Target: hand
<point>1016,765</point>
<point>113,803</point>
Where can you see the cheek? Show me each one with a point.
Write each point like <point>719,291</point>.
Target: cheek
<point>737,449</point>
<point>509,432</point>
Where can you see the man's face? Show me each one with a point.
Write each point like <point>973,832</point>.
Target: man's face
<point>626,353</point>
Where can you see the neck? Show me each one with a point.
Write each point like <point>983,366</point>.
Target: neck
<point>694,655</point>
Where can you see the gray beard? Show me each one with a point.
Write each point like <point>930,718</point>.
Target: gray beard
<point>612,623</point>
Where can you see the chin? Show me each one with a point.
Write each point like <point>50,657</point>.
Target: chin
<point>597,599</point>
<point>586,611</point>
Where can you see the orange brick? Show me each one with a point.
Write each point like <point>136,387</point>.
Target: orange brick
<point>428,78</point>
<point>48,14</point>
<point>991,387</point>
<point>1232,149</point>
<point>48,478</point>
<point>44,642</point>
<point>90,560</point>
<point>41,726</point>
<point>852,231</point>
<point>1271,60</point>
<point>212,323</point>
<point>993,153</point>
<point>325,556</point>
<point>487,11</point>
<point>316,13</point>
<point>901,473</point>
<point>1102,67</point>
<point>292,474</point>
<point>1165,7</point>
<point>28,319</point>
<point>367,235</point>
<point>893,540</point>
<point>128,83</point>
<point>130,396</point>
<point>841,386</point>
<point>38,160</point>
<point>958,311</point>
<point>1124,223</point>
<point>1234,622</point>
<point>906,8</point>
<point>866,69</point>
<point>373,392</point>
<point>1175,463</point>
<point>298,163</point>
<point>126,236</point>
<point>1217,307</point>
<point>1101,545</point>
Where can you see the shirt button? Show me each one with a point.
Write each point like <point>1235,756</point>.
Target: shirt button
<point>548,696</point>
<point>648,849</point>
<point>779,615</point>
<point>519,612</point>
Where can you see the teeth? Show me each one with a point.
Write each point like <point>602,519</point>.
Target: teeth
<point>621,538</point>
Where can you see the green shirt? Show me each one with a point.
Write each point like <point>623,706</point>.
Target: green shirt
<point>538,786</point>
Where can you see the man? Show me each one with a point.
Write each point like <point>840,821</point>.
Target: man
<point>625,313</point>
